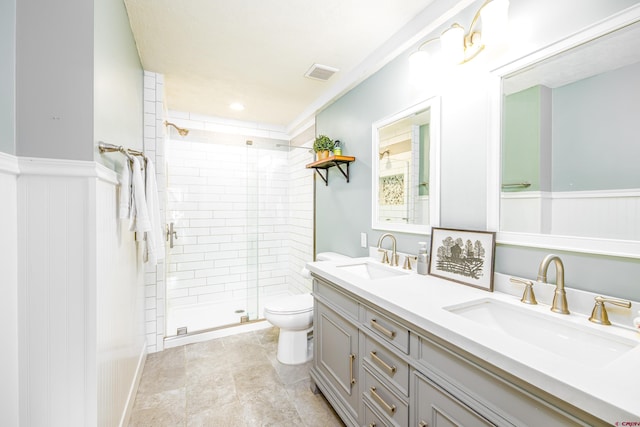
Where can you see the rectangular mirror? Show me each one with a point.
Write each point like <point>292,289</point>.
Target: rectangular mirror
<point>569,151</point>
<point>405,169</point>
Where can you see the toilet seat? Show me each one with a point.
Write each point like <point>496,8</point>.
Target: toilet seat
<point>295,304</point>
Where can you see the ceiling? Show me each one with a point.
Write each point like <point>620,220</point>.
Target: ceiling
<point>216,52</point>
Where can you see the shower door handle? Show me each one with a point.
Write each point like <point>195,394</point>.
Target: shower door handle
<point>171,234</point>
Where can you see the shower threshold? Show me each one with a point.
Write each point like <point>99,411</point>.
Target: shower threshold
<point>216,332</point>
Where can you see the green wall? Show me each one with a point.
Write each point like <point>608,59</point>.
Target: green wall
<point>593,126</point>
<point>343,210</point>
<point>595,132</point>
<point>521,142</point>
<point>117,82</point>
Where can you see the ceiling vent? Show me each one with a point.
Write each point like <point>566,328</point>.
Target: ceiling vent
<point>320,72</point>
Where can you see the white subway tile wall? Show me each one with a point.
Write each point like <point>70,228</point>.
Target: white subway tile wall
<point>300,217</point>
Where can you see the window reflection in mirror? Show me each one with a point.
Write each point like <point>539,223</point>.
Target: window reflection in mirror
<point>403,154</point>
<point>570,147</point>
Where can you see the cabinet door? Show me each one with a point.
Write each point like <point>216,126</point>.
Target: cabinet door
<point>437,408</point>
<point>337,355</point>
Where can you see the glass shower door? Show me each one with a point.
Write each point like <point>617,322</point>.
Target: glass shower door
<point>212,268</point>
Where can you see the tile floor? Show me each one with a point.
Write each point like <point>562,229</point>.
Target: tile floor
<point>234,381</point>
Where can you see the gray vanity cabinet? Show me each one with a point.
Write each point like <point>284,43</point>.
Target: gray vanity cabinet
<point>336,363</point>
<point>336,351</point>
<point>377,369</point>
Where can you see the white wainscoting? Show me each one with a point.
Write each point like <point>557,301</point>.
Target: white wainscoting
<point>608,214</point>
<point>525,212</point>
<point>9,291</point>
<point>613,214</point>
<point>120,315</point>
<point>81,326</point>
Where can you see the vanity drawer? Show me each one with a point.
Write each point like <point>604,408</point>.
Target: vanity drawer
<point>389,330</point>
<point>394,408</point>
<point>371,419</point>
<point>335,298</point>
<point>387,364</point>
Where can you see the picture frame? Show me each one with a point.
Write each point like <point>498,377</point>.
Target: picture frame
<point>463,256</point>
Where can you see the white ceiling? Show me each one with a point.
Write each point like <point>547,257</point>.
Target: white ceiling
<point>215,52</point>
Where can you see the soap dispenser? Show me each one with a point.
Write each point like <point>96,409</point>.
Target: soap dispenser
<point>423,259</point>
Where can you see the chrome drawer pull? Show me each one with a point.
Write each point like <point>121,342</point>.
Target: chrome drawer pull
<point>381,363</point>
<point>423,424</point>
<point>391,409</point>
<point>375,325</point>
<point>372,425</point>
<point>352,358</point>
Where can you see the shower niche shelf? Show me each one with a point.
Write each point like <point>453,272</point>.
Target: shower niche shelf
<point>325,164</point>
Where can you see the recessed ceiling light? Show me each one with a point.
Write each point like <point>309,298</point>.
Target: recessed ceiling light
<point>236,106</point>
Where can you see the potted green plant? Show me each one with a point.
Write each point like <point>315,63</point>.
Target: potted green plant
<point>322,145</point>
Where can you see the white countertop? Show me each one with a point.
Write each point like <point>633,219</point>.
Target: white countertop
<point>610,392</point>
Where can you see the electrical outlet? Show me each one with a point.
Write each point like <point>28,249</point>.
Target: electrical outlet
<point>363,240</point>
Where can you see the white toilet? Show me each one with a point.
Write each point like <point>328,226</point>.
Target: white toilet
<point>294,316</point>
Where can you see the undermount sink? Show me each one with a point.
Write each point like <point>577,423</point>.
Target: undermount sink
<point>578,343</point>
<point>370,270</point>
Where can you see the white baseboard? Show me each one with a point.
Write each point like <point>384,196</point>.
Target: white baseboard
<point>133,390</point>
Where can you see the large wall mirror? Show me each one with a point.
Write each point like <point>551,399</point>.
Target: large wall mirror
<point>570,146</point>
<point>405,169</point>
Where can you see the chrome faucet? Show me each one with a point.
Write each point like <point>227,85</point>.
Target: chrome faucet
<point>559,304</point>
<point>394,256</point>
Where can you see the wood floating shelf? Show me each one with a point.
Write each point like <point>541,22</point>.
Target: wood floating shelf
<point>329,162</point>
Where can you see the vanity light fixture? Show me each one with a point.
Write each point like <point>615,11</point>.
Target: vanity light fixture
<point>459,46</point>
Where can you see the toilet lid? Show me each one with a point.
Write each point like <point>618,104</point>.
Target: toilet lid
<point>291,304</point>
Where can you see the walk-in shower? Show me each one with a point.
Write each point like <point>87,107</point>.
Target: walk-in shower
<point>239,239</point>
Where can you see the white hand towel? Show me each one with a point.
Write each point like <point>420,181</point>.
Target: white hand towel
<point>139,220</point>
<point>125,191</point>
<point>155,242</point>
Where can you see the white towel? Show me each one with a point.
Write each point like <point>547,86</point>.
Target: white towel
<point>155,243</point>
<point>125,192</point>
<point>139,219</point>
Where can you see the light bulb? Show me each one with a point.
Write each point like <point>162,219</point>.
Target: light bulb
<point>452,43</point>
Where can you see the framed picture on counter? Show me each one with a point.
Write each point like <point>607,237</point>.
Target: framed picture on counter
<point>463,256</point>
